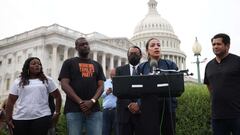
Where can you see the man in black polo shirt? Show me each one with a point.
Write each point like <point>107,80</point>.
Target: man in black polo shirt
<point>222,77</point>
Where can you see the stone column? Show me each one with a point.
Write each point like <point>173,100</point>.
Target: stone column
<point>95,53</point>
<point>177,62</point>
<point>54,62</point>
<point>180,63</point>
<point>3,81</point>
<point>1,87</point>
<point>14,65</point>
<point>111,62</point>
<point>119,61</point>
<point>75,53</point>
<point>175,59</point>
<point>23,55</point>
<point>65,56</point>
<point>184,63</point>
<point>126,61</point>
<point>104,62</point>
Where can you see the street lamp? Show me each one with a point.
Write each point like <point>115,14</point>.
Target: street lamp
<point>196,48</point>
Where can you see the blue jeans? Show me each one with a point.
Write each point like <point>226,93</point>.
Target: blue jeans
<point>226,126</point>
<point>109,121</point>
<point>77,120</point>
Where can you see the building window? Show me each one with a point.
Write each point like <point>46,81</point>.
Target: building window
<point>50,55</point>
<point>29,55</point>
<point>61,57</point>
<point>9,61</point>
<point>8,84</point>
<point>19,59</point>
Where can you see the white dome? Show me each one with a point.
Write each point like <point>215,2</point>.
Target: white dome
<point>153,22</point>
<point>153,25</point>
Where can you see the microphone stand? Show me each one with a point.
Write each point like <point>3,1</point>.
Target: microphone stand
<point>157,71</point>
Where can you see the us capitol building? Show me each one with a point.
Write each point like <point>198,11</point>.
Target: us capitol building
<point>55,43</point>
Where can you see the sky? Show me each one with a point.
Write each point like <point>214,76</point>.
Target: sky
<point>118,18</point>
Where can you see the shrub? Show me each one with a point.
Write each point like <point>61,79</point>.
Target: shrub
<point>62,125</point>
<point>193,112</point>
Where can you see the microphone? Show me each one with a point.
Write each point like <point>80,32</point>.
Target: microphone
<point>154,66</point>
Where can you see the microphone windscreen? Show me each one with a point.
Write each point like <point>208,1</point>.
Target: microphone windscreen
<point>153,63</point>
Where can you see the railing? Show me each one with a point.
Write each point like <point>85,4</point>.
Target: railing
<point>42,30</point>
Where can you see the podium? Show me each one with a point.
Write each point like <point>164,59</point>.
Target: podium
<point>163,85</point>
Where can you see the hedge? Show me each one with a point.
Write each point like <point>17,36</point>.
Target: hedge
<point>193,112</point>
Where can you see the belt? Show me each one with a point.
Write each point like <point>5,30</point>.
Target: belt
<point>109,108</point>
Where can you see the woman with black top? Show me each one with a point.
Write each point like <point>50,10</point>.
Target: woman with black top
<point>157,112</point>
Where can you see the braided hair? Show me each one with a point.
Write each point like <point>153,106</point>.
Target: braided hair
<point>25,75</point>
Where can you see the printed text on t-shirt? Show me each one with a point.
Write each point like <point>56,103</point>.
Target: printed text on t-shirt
<point>87,70</point>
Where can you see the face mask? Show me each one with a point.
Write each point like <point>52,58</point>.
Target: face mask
<point>134,59</point>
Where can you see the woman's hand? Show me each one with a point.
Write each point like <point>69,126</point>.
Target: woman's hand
<point>55,118</point>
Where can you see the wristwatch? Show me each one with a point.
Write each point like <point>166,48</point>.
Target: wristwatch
<point>93,100</point>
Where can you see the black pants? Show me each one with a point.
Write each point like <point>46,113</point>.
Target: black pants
<point>226,126</point>
<point>156,117</point>
<point>132,127</point>
<point>38,126</point>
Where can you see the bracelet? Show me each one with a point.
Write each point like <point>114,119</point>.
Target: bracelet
<point>93,100</point>
<point>57,113</point>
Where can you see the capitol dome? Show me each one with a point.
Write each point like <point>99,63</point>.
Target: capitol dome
<point>153,22</point>
<point>153,25</point>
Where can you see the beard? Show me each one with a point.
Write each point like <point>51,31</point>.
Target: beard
<point>220,53</point>
<point>84,52</point>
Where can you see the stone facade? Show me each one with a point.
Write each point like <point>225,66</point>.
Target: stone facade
<point>53,44</point>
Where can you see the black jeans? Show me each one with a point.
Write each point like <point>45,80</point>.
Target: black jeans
<point>226,126</point>
<point>38,126</point>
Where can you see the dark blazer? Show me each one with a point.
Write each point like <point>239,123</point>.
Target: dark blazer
<point>122,104</point>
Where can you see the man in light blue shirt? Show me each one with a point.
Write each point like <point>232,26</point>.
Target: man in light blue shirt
<point>109,107</point>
